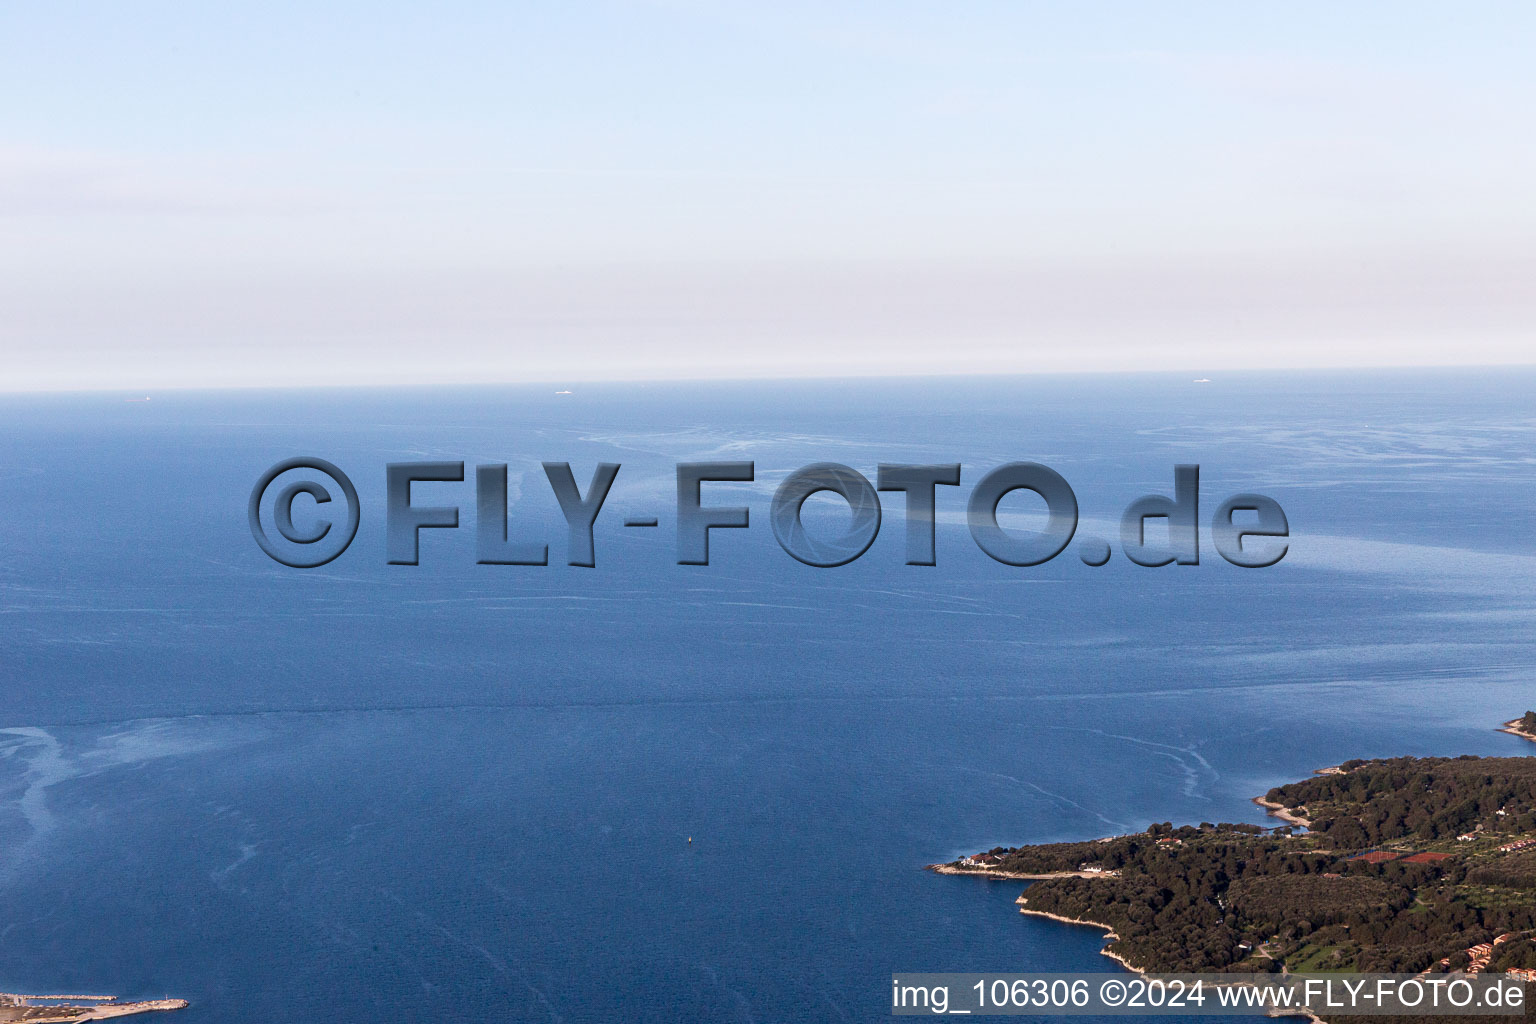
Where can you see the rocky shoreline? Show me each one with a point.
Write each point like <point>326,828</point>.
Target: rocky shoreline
<point>1109,933</point>
<point>1017,876</point>
<point>1282,812</point>
<point>1513,728</point>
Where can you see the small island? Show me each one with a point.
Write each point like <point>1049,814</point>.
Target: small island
<point>1402,864</point>
<point>15,1006</point>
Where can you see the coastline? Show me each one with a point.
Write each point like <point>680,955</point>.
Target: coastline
<point>1280,811</point>
<point>1109,931</point>
<point>1109,934</point>
<point>1017,876</point>
<point>1513,728</point>
<point>36,1008</point>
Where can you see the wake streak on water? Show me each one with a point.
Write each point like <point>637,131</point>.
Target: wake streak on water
<point>46,767</point>
<point>1177,755</point>
<point>1057,797</point>
<point>47,762</point>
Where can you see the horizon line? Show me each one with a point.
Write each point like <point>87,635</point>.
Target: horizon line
<point>460,383</point>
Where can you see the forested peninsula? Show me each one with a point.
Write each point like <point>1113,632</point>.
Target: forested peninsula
<point>1404,864</point>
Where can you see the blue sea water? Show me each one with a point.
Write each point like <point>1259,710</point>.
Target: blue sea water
<point>454,791</point>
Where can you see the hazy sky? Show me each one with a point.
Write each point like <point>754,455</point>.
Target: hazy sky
<point>219,193</point>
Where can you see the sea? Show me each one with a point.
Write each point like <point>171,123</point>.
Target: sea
<point>645,791</point>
